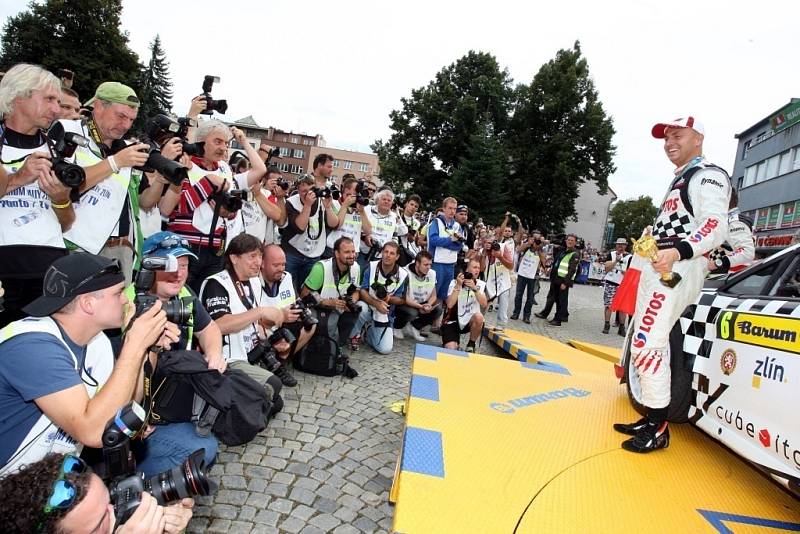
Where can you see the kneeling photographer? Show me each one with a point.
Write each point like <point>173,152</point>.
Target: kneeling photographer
<point>465,299</point>
<point>235,299</point>
<point>279,293</point>
<point>421,308</point>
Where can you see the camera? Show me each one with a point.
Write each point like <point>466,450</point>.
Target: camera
<point>126,485</point>
<point>362,193</point>
<point>283,184</point>
<point>348,298</point>
<point>381,292</point>
<point>177,310</point>
<point>62,146</point>
<point>233,200</point>
<point>220,106</point>
<point>306,315</point>
<point>161,128</point>
<point>537,242</point>
<point>495,245</point>
<point>169,169</point>
<point>468,275</point>
<point>322,192</point>
<point>265,355</point>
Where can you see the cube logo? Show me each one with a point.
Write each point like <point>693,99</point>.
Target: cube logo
<point>764,437</point>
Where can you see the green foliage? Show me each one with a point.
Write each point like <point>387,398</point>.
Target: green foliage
<point>155,90</point>
<point>80,35</point>
<point>631,216</point>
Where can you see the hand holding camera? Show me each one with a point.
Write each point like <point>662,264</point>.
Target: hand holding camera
<point>36,166</point>
<point>197,106</point>
<point>172,149</point>
<point>290,315</point>
<point>469,281</point>
<point>135,155</point>
<point>146,327</point>
<point>309,198</point>
<point>239,135</point>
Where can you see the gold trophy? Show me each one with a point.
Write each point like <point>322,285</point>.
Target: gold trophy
<point>647,247</point>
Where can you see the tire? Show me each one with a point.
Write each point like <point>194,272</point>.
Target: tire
<point>680,374</point>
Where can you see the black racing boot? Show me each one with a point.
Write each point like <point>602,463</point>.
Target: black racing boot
<point>631,428</point>
<point>650,438</point>
<point>606,327</point>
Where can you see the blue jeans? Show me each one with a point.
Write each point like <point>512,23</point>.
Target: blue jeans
<point>170,445</point>
<point>531,285</point>
<point>379,337</point>
<point>299,267</point>
<point>445,272</point>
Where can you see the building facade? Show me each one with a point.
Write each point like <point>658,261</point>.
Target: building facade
<point>592,214</point>
<point>767,175</point>
<point>361,164</point>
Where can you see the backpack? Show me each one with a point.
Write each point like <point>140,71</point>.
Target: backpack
<point>323,356</point>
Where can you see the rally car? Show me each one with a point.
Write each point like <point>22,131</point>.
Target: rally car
<point>735,362</point>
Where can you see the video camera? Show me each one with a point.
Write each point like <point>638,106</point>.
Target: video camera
<point>304,305</point>
<point>220,106</point>
<point>265,354</point>
<point>126,485</point>
<point>177,310</point>
<point>62,145</point>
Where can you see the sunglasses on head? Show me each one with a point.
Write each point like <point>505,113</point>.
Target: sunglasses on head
<point>64,491</point>
<point>113,268</point>
<point>172,242</point>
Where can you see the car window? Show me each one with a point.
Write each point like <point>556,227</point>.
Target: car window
<point>754,283</point>
<point>788,285</point>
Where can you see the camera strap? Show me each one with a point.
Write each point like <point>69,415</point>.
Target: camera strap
<point>248,303</point>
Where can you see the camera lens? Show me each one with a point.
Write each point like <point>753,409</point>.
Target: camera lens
<point>186,480</point>
<point>70,175</point>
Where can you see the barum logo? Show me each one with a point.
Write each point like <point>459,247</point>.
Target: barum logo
<point>648,319</point>
<point>706,229</point>
<point>540,398</point>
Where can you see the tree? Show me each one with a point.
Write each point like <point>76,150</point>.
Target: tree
<point>480,179</point>
<point>629,217</point>
<point>432,131</point>
<point>155,87</point>
<point>558,138</point>
<point>80,35</point>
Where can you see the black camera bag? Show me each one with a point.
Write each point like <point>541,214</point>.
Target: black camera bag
<point>323,356</point>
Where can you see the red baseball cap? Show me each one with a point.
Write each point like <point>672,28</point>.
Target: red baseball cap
<point>659,130</point>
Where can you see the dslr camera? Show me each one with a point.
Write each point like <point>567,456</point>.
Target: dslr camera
<point>233,200</point>
<point>348,298</point>
<point>362,193</point>
<point>264,353</point>
<point>304,305</point>
<point>325,192</point>
<point>126,485</point>
<point>62,145</point>
<point>161,128</point>
<point>177,310</point>
<point>220,106</point>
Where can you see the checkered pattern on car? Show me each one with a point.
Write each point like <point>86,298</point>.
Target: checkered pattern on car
<point>676,224</point>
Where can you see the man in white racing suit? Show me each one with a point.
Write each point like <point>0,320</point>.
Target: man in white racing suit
<point>739,249</point>
<point>691,221</point>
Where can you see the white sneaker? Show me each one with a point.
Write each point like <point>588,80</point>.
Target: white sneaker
<point>398,334</point>
<point>413,332</point>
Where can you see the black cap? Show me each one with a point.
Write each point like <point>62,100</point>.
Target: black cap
<point>71,276</point>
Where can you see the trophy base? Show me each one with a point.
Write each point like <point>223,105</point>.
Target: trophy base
<point>670,279</point>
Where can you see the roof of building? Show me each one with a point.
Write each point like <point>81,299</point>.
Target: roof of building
<point>765,119</point>
<point>248,121</point>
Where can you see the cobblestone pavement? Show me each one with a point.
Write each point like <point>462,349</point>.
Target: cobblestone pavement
<point>325,464</point>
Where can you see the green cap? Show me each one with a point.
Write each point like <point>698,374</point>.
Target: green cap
<point>115,92</point>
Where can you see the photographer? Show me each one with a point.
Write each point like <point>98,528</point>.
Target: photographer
<point>61,494</point>
<point>382,287</point>
<point>70,105</point>
<point>268,207</point>
<point>279,293</point>
<point>445,240</point>
<point>61,400</point>
<point>34,205</point>
<point>322,169</point>
<point>304,238</point>
<point>336,281</point>
<point>531,260</point>
<point>351,212</point>
<point>462,216</point>
<point>235,299</point>
<point>562,274</point>
<point>616,263</point>
<point>421,307</point>
<point>408,218</point>
<point>498,258</point>
<point>385,225</point>
<point>205,213</point>
<point>465,299</point>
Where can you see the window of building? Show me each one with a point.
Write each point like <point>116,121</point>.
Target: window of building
<point>293,169</point>
<point>796,162</point>
<point>348,165</point>
<point>772,167</point>
<point>284,152</point>
<point>750,175</point>
<point>298,153</point>
<point>761,172</point>
<point>760,137</point>
<point>745,150</point>
<point>786,162</point>
<point>308,142</point>
<point>788,215</point>
<point>336,164</point>
<point>295,140</point>
<point>363,167</point>
<point>284,167</point>
<point>285,139</point>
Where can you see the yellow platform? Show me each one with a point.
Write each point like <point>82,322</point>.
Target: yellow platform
<point>499,445</point>
<point>610,354</point>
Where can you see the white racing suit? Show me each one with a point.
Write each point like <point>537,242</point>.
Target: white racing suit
<point>693,219</point>
<point>739,249</point>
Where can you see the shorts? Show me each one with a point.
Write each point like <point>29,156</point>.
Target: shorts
<point>451,333</point>
<point>609,291</point>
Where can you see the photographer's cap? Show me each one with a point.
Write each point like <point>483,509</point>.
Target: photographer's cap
<point>621,241</point>
<point>163,244</point>
<point>115,92</point>
<point>74,275</point>
<point>659,131</point>
<point>462,208</point>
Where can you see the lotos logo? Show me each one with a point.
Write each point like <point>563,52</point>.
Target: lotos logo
<point>648,319</point>
<point>540,398</point>
<point>706,229</point>
<point>670,205</point>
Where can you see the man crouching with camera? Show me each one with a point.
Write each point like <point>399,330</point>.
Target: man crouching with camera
<point>236,301</point>
<point>465,299</point>
<point>279,293</point>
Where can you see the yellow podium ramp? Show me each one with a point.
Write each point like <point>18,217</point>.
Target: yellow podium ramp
<point>497,445</point>
<point>609,354</point>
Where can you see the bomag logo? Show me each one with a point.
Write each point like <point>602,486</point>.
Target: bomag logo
<point>512,405</point>
<point>760,330</point>
<point>768,369</point>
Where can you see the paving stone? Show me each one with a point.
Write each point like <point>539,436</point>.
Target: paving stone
<point>234,482</point>
<point>345,514</point>
<point>226,496</point>
<point>306,483</point>
<point>303,512</point>
<point>365,524</point>
<point>277,464</point>
<point>325,522</point>
<point>267,517</point>
<point>240,527</point>
<point>258,500</point>
<point>224,511</point>
<point>293,525</point>
<point>311,529</point>
<point>298,468</point>
<point>283,478</point>
<point>283,506</point>
<point>302,495</point>
<point>264,529</point>
<point>219,525</point>
<point>247,513</point>
<point>346,529</point>
<point>255,471</point>
<point>234,468</point>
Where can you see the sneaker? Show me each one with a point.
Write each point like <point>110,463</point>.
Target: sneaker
<point>539,315</point>
<point>515,317</point>
<point>471,346</point>
<point>631,428</point>
<point>398,333</point>
<point>355,341</point>
<point>286,377</point>
<point>416,334</point>
<point>526,320</point>
<point>649,439</point>
<point>621,330</point>
<point>554,323</point>
<point>606,328</point>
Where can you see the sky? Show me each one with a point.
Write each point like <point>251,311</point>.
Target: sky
<point>339,68</point>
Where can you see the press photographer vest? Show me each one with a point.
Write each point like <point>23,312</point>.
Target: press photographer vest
<point>529,264</point>
<point>467,303</point>
<point>376,276</point>
<point>615,275</point>
<point>184,293</point>
<point>45,437</point>
<point>351,226</point>
<point>236,346</point>
<point>420,289</point>
<point>442,254</point>
<point>498,277</point>
<point>203,215</point>
<point>333,289</point>
<point>285,296</point>
<point>98,210</point>
<point>255,221</point>
<point>302,243</point>
<point>26,215</point>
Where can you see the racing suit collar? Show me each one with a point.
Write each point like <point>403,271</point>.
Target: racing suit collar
<point>692,163</point>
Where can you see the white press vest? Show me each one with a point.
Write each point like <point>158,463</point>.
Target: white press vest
<point>441,254</point>
<point>204,213</point>
<point>333,289</point>
<point>420,288</point>
<point>285,296</point>
<point>467,302</point>
<point>311,248</point>
<point>616,274</point>
<point>351,226</point>
<point>375,275</point>
<point>45,437</point>
<point>529,264</point>
<point>498,277</point>
<point>383,228</point>
<point>26,215</point>
<point>237,345</point>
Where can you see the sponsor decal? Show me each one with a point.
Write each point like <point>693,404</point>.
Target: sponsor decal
<point>778,445</point>
<point>760,330</point>
<point>704,230</point>
<point>768,369</point>
<point>648,319</point>
<point>670,205</point>
<point>512,405</point>
<point>711,181</point>
<point>727,362</point>
<point>775,240</point>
